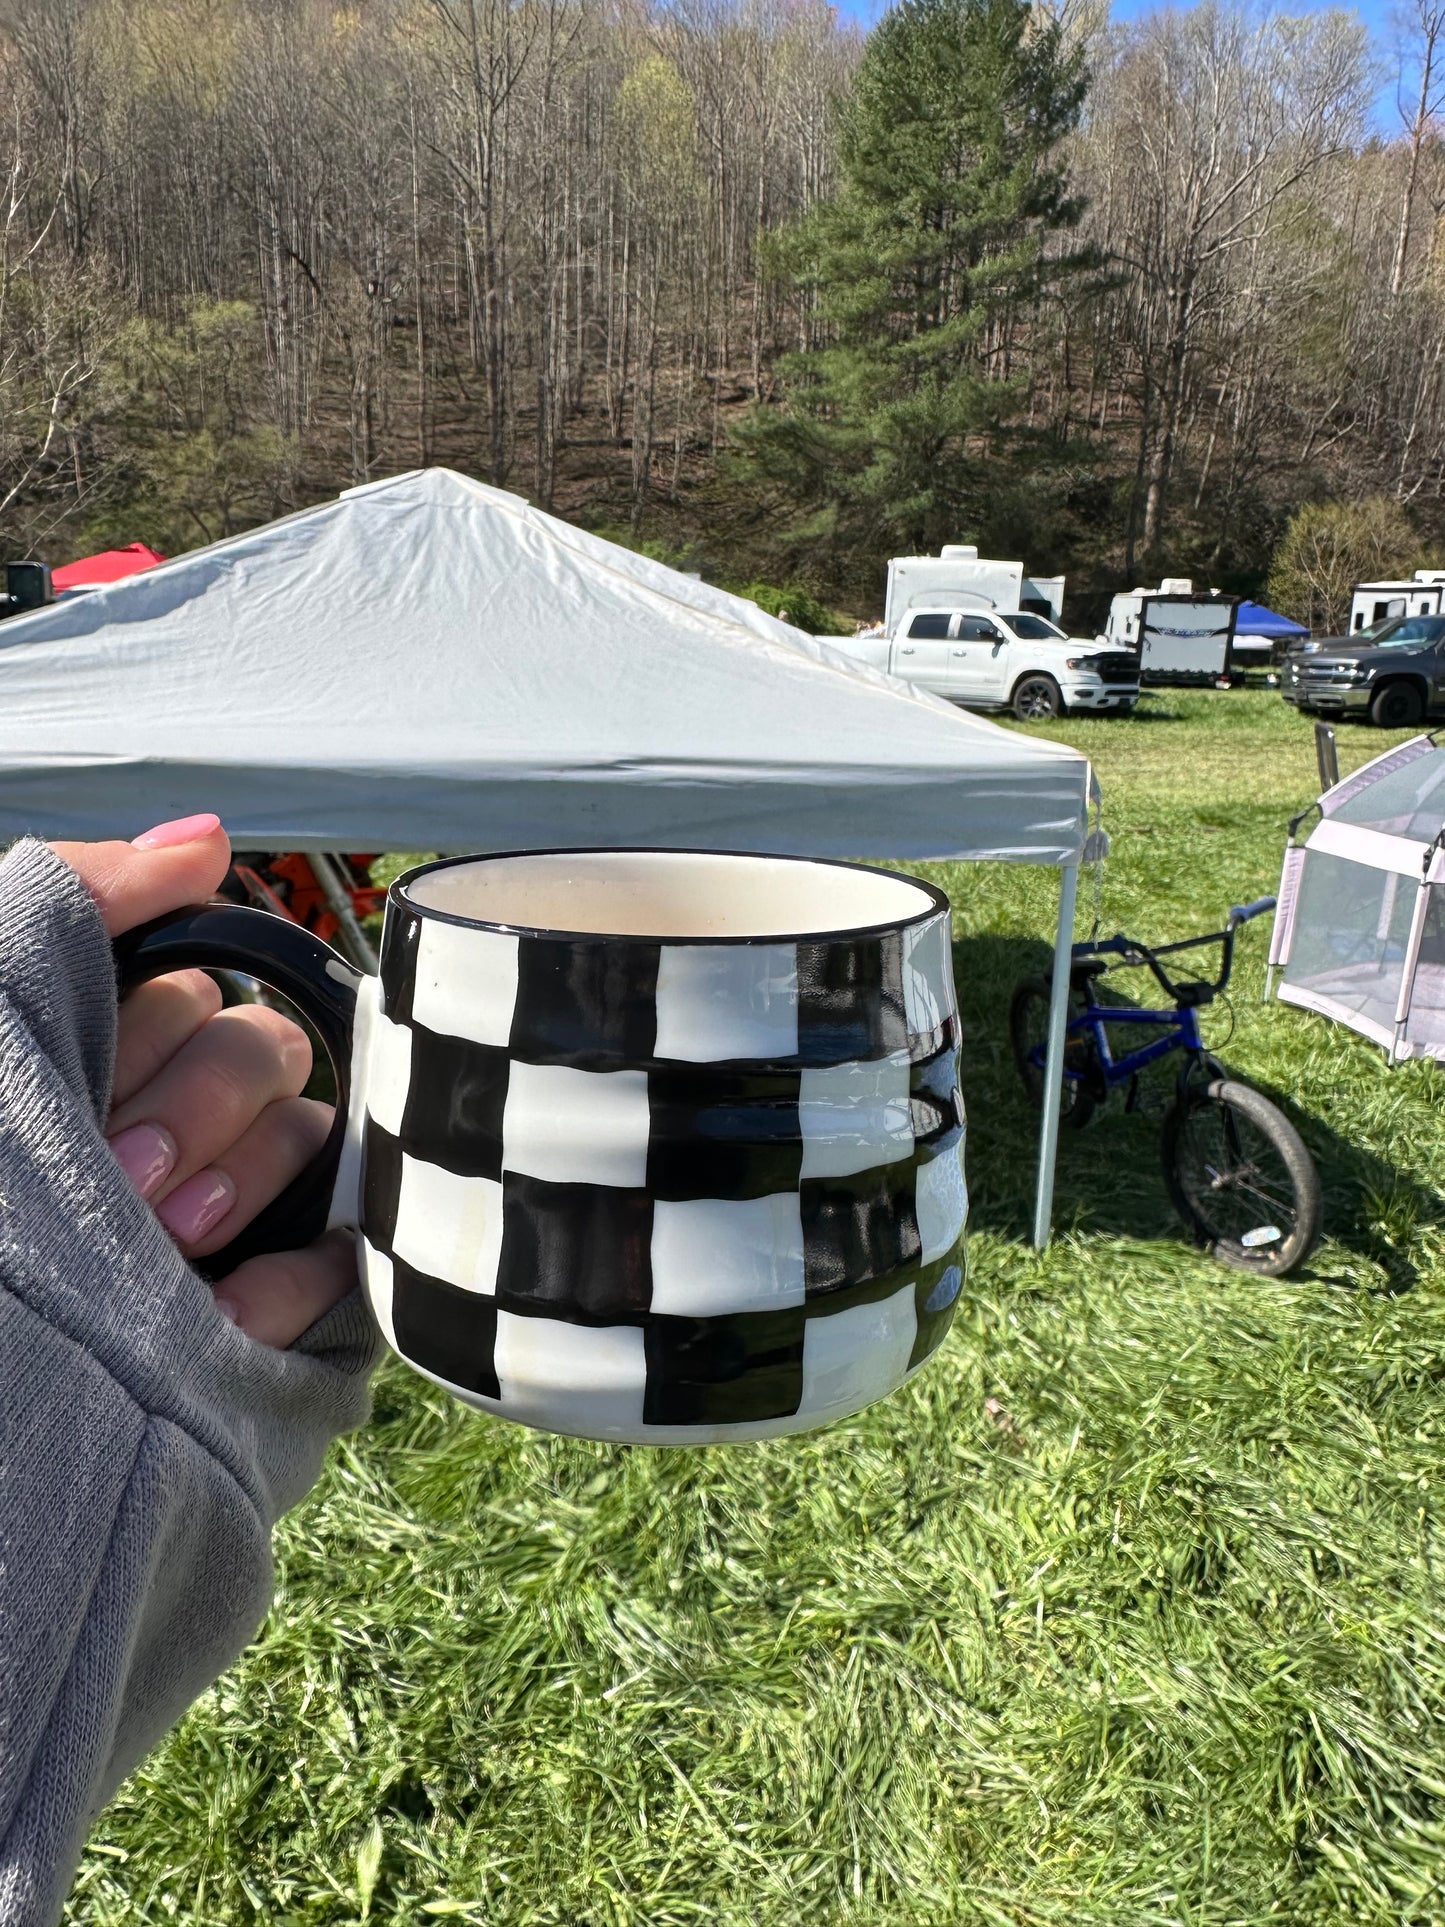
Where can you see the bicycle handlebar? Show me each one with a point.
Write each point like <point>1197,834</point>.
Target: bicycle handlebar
<point>1130,951</point>
<point>1244,913</point>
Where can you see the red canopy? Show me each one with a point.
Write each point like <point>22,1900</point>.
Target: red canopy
<point>109,566</point>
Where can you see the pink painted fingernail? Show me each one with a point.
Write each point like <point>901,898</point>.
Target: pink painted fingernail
<point>197,1206</point>
<point>185,829</point>
<point>146,1154</point>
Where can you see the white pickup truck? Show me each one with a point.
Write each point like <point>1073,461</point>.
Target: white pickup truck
<point>1002,659</point>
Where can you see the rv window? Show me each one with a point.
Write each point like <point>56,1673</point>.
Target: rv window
<point>929,628</point>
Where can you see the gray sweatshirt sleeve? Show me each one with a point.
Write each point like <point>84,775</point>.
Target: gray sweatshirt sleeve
<point>146,1446</point>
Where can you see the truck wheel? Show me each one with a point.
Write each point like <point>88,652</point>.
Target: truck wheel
<point>1037,698</point>
<point>1397,706</point>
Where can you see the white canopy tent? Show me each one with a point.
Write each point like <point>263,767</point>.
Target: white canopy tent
<point>1359,935</point>
<point>431,664</point>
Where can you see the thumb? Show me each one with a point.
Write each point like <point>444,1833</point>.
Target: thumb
<point>275,1299</point>
<point>163,869</point>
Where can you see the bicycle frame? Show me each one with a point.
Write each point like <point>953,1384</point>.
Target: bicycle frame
<point>1095,1019</point>
<point>1236,1169</point>
<point>1180,1021</point>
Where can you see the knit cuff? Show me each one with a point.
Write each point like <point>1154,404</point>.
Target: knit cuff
<point>84,1252</point>
<point>346,1337</point>
<point>56,968</point>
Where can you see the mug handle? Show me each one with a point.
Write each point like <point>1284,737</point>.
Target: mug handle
<point>322,985</point>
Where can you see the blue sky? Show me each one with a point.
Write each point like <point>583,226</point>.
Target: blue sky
<point>1374,13</point>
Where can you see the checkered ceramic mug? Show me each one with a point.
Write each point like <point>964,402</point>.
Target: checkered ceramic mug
<point>651,1146</point>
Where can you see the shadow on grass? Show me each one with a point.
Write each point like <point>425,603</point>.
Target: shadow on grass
<point>1152,709</point>
<point>1109,1175</point>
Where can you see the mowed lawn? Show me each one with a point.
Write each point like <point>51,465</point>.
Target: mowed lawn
<point>1129,1609</point>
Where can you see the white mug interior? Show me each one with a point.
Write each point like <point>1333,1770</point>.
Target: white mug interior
<point>668,893</point>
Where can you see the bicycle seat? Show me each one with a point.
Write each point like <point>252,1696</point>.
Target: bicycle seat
<point>1191,996</point>
<point>1089,967</point>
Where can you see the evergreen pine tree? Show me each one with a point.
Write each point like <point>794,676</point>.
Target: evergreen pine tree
<point>952,183</point>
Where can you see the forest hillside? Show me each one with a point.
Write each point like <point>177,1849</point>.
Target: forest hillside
<point>728,277</point>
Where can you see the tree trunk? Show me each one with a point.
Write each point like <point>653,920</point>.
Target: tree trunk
<point>1432,23</point>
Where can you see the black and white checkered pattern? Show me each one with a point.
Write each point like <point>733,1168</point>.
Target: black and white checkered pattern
<point>657,1191</point>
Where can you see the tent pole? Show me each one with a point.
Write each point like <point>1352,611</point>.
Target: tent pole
<point>1054,1062</point>
<point>327,872</point>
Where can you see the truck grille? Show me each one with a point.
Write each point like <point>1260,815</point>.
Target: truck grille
<point>1116,665</point>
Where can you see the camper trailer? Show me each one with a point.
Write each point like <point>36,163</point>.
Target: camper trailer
<point>985,635</point>
<point>1422,595</point>
<point>1179,635</point>
<point>959,578</point>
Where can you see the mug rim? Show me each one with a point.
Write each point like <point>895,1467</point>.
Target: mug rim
<point>396,894</point>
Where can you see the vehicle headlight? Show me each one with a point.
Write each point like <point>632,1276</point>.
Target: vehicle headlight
<point>1361,672</point>
<point>1084,663</point>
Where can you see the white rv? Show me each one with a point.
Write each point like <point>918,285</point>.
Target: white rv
<point>1422,595</point>
<point>959,578</point>
<point>1180,635</point>
<point>985,635</point>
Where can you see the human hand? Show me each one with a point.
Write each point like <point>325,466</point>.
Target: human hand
<point>207,1118</point>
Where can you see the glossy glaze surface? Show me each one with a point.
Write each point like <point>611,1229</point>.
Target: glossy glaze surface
<point>664,1191</point>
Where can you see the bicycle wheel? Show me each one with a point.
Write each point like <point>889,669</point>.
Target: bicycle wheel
<point>1240,1177</point>
<point>1028,1022</point>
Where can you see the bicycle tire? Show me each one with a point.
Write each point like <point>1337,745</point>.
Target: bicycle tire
<point>1236,1168</point>
<point>1028,1023</point>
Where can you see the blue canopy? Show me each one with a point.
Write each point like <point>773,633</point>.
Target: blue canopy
<point>1253,619</point>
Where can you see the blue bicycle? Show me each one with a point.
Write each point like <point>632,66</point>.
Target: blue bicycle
<point>1237,1170</point>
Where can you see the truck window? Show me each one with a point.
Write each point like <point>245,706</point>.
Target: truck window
<point>1032,628</point>
<point>977,629</point>
<point>1411,632</point>
<point>929,628</point>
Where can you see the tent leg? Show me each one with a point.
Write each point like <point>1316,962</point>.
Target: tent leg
<point>1054,1062</point>
<point>328,874</point>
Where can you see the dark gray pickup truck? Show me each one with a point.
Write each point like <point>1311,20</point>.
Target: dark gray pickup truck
<point>1393,673</point>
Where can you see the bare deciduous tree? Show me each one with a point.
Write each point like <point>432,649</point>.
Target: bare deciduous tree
<point>526,237</point>
<point>1421,32</point>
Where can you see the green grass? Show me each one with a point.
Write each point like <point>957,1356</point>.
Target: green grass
<point>1129,1609</point>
